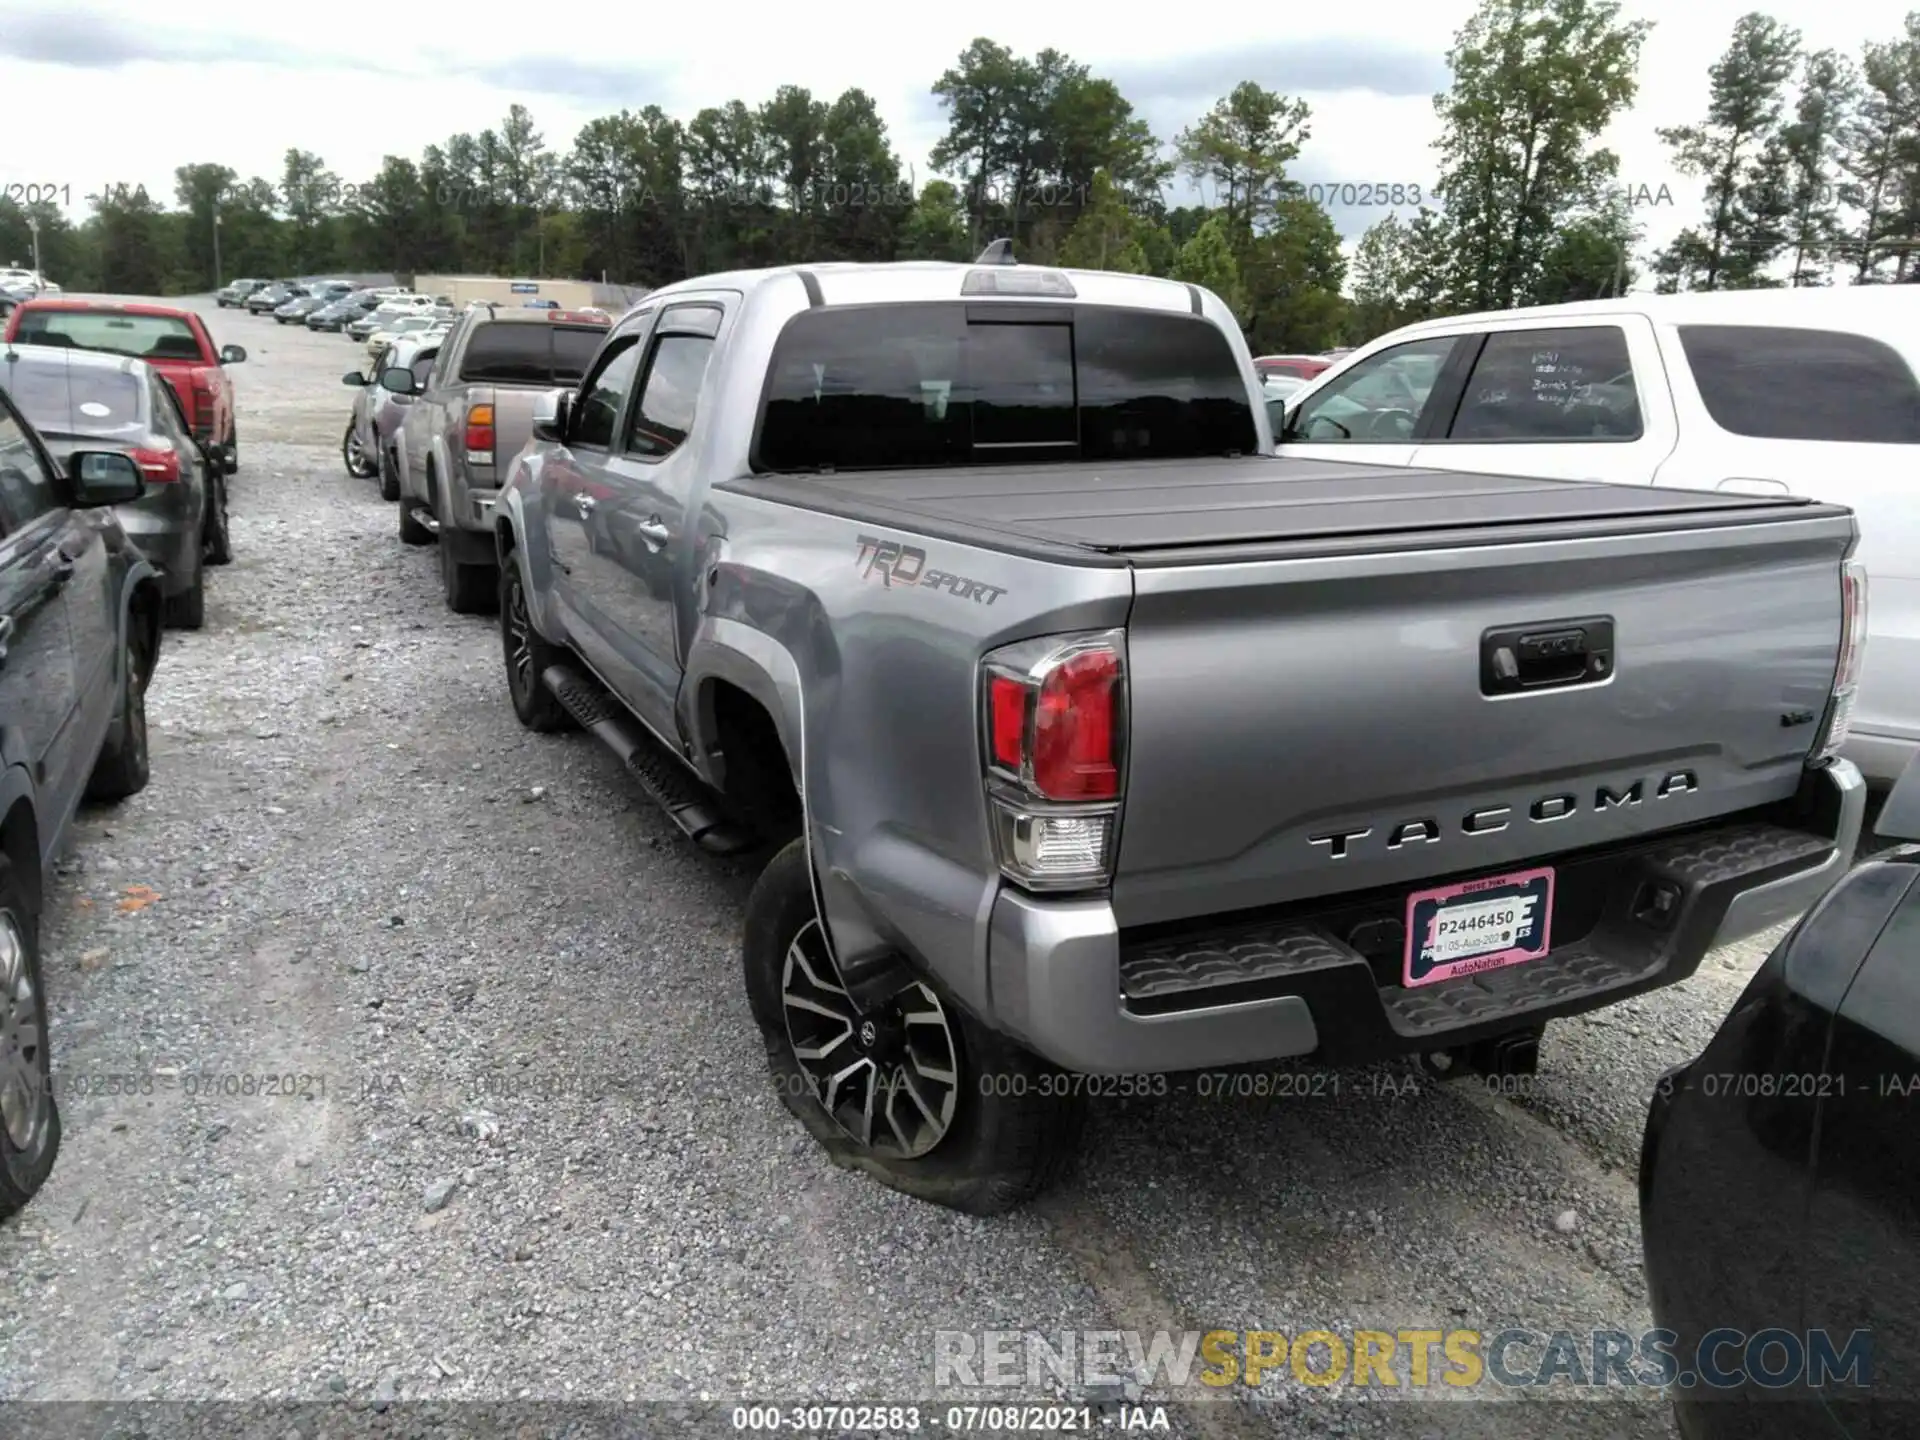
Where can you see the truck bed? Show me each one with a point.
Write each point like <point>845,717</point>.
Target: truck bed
<point>1147,512</point>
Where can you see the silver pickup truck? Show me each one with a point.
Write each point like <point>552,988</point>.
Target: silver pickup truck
<point>1097,744</point>
<point>469,418</point>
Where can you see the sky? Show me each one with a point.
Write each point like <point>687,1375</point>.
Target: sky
<point>240,83</point>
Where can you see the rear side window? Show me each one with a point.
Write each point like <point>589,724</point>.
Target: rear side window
<point>899,386</point>
<point>1550,385</point>
<point>504,353</point>
<point>1771,383</point>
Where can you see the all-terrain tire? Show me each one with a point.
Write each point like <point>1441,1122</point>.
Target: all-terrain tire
<point>1007,1140</point>
<point>535,705</point>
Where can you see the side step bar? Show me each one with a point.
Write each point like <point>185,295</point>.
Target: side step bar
<point>425,518</point>
<point>688,803</point>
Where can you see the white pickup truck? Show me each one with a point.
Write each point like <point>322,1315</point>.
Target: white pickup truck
<point>1761,392</point>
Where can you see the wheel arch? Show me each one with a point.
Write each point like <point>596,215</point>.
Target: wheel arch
<point>20,838</point>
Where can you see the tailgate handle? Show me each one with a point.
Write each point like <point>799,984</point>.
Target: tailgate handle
<point>1520,659</point>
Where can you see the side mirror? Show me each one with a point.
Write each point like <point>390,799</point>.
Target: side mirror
<point>550,411</point>
<point>400,380</point>
<point>1900,816</point>
<point>104,477</point>
<point>353,377</point>
<point>233,354</point>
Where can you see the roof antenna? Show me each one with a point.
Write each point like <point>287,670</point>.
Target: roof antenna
<point>1000,252</point>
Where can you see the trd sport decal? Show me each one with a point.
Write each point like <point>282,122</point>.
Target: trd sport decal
<point>892,563</point>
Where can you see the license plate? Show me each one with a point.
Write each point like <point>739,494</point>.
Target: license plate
<point>1478,925</point>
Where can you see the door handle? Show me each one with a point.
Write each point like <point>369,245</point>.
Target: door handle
<point>653,532</point>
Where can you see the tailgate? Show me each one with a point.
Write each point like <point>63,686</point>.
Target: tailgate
<point>1293,718</point>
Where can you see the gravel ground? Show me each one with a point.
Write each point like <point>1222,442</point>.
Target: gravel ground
<point>524,1146</point>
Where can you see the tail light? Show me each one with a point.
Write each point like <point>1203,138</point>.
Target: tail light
<point>480,435</point>
<point>202,389</point>
<point>157,464</point>
<point>1846,677</point>
<point>1053,716</point>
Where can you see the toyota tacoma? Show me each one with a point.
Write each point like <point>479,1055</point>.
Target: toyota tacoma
<point>1089,738</point>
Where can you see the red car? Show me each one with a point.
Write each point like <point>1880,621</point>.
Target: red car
<point>174,342</point>
<point>1301,367</point>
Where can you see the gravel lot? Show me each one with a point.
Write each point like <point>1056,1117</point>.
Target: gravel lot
<point>481,959</point>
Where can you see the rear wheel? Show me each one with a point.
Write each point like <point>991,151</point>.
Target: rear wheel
<point>188,609</point>
<point>913,1091</point>
<point>122,767</point>
<point>219,542</point>
<point>233,453</point>
<point>389,477</point>
<point>528,654</point>
<point>470,588</point>
<point>29,1119</point>
<point>412,532</point>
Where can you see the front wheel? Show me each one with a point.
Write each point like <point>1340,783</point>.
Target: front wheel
<point>122,768</point>
<point>29,1119</point>
<point>914,1092</point>
<point>218,544</point>
<point>354,454</point>
<point>389,477</point>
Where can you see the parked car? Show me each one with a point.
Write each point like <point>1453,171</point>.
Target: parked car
<point>1278,389</point>
<point>1675,390</point>
<point>373,435</point>
<point>391,330</point>
<point>269,298</point>
<point>389,310</point>
<point>1778,1185</point>
<point>471,418</point>
<point>1302,367</point>
<point>1338,353</point>
<point>335,314</point>
<point>235,295</point>
<point>27,283</point>
<point>78,400</point>
<point>173,341</point>
<point>1036,809</point>
<point>80,641</point>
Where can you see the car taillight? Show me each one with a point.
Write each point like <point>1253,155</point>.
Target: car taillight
<point>480,435</point>
<point>1053,712</point>
<point>158,464</point>
<point>1846,676</point>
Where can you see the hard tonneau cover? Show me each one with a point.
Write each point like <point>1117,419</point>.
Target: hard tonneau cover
<point>1140,509</point>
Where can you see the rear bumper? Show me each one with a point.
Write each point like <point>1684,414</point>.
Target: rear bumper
<point>167,542</point>
<point>1068,983</point>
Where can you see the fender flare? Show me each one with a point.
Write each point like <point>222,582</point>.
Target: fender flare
<point>138,572</point>
<point>733,651</point>
<point>16,784</point>
<point>536,580</point>
<point>440,465</point>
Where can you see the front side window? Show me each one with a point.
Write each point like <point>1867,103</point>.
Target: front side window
<point>27,488</point>
<point>604,398</point>
<point>664,417</point>
<point>1774,383</point>
<point>1550,385</point>
<point>910,386</point>
<point>1379,401</point>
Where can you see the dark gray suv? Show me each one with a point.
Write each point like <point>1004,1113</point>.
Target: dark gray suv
<point>79,634</point>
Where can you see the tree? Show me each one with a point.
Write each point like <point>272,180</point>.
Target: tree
<point>1876,142</point>
<point>1829,91</point>
<point>1731,150</point>
<point>136,256</point>
<point>1535,83</point>
<point>201,190</point>
<point>937,226</point>
<point>309,194</point>
<point>1207,261</point>
<point>1241,148</point>
<point>1381,279</point>
<point>1106,236</point>
<point>1291,279</point>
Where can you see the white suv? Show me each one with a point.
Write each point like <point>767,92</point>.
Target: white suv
<point>1807,392</point>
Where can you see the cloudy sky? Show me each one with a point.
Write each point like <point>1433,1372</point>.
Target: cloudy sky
<point>120,93</point>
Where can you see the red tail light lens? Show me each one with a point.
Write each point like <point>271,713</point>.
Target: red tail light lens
<point>480,429</point>
<point>1007,701</point>
<point>1073,739</point>
<point>157,464</point>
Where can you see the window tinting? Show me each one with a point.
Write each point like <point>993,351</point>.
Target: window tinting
<point>509,353</point>
<point>895,386</point>
<point>1788,384</point>
<point>1378,401</point>
<point>664,416</point>
<point>603,400</point>
<point>1562,385</point>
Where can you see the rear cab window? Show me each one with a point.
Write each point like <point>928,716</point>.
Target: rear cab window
<point>511,353</point>
<point>946,383</point>
<point>1783,383</point>
<point>144,337</point>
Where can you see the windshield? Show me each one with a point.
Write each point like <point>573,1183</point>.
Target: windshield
<point>84,399</point>
<point>145,337</point>
<point>943,384</point>
<point>507,353</point>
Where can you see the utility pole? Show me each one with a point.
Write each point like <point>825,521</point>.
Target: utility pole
<point>216,244</point>
<point>33,229</point>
